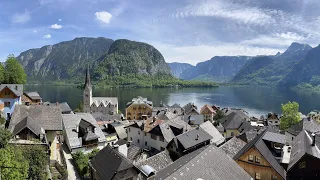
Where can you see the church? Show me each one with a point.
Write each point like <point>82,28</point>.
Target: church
<point>100,107</point>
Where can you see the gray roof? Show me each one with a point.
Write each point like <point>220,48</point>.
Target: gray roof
<point>99,116</point>
<point>242,113</point>
<point>47,117</point>
<point>235,121</point>
<point>260,145</point>
<point>193,137</point>
<point>108,162</point>
<point>156,111</point>
<point>17,89</point>
<point>189,107</point>
<point>195,119</point>
<point>167,115</point>
<point>70,122</point>
<point>29,123</point>
<point>133,152</point>
<point>121,132</point>
<point>64,106</point>
<point>104,100</point>
<point>33,95</point>
<point>217,138</point>
<point>274,137</point>
<point>307,124</point>
<point>140,100</point>
<point>248,136</point>
<point>302,146</point>
<point>206,163</point>
<point>157,162</point>
<point>233,146</point>
<point>90,136</point>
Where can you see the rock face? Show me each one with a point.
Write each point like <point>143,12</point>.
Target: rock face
<point>270,70</point>
<point>178,68</point>
<point>68,60</point>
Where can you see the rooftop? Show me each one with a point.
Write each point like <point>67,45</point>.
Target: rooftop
<point>217,138</point>
<point>193,137</point>
<point>233,146</point>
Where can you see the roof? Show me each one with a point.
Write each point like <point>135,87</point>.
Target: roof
<point>242,113</point>
<point>189,107</point>
<point>235,121</point>
<point>156,111</point>
<point>29,123</point>
<point>260,145</point>
<point>233,146</point>
<point>307,124</point>
<point>90,136</point>
<point>194,119</point>
<point>105,101</point>
<point>248,136</point>
<point>64,106</point>
<point>70,122</point>
<point>33,95</point>
<point>17,89</point>
<point>121,132</point>
<point>302,145</point>
<point>208,162</point>
<point>157,162</point>
<point>140,101</point>
<point>207,107</point>
<point>133,151</point>
<point>107,171</point>
<point>274,137</point>
<point>193,137</point>
<point>166,115</point>
<point>47,117</point>
<point>217,138</point>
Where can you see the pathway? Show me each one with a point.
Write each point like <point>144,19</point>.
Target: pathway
<point>72,171</point>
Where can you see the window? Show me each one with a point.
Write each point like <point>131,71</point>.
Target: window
<point>250,158</point>
<point>273,177</point>
<point>129,130</point>
<point>161,138</point>
<point>292,139</point>
<point>138,140</point>
<point>6,93</point>
<point>146,143</point>
<point>130,138</point>
<point>232,134</point>
<point>258,176</point>
<point>139,132</point>
<point>16,87</point>
<point>6,104</point>
<point>257,159</point>
<point>276,121</point>
<point>302,165</point>
<point>153,137</point>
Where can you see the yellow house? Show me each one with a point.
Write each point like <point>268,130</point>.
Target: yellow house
<point>139,108</point>
<point>234,124</point>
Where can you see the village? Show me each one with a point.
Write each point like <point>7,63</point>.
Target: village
<point>159,141</point>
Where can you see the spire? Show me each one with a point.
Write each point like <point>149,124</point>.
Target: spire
<point>88,82</point>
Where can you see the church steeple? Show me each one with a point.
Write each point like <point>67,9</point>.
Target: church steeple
<point>87,82</point>
<point>87,93</point>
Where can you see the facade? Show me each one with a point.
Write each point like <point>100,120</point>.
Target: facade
<point>208,112</point>
<point>315,114</point>
<point>98,105</point>
<point>258,161</point>
<point>10,96</point>
<point>138,109</point>
<point>29,122</point>
<point>82,133</point>
<point>29,98</point>
<point>273,120</point>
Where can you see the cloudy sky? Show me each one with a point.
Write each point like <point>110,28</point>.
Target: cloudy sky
<point>183,30</point>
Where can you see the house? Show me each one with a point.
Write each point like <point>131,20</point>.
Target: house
<point>194,120</point>
<point>217,138</point>
<point>155,134</point>
<point>190,109</point>
<point>31,98</point>
<point>307,124</point>
<point>305,157</point>
<point>82,133</point>
<point>138,109</point>
<point>234,124</point>
<point>64,107</point>
<point>163,109</point>
<point>258,161</point>
<point>189,142</point>
<point>10,95</point>
<point>208,112</point>
<point>273,120</point>
<point>233,146</point>
<point>248,136</point>
<point>110,164</point>
<point>208,162</point>
<point>315,114</point>
<point>104,105</point>
<point>242,113</point>
<point>30,122</point>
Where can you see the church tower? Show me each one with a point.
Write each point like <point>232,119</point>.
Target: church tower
<point>87,93</point>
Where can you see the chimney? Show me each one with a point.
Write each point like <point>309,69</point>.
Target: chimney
<point>154,119</point>
<point>57,103</point>
<point>313,139</point>
<point>197,137</point>
<point>77,128</point>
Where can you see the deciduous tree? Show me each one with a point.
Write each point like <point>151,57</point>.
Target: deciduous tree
<point>14,73</point>
<point>290,115</point>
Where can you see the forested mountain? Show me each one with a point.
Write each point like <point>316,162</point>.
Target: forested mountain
<point>178,68</point>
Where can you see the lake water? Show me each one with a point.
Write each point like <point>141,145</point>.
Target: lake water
<point>255,100</point>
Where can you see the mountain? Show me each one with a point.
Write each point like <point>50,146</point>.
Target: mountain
<point>306,72</point>
<point>178,68</point>
<point>269,70</point>
<point>68,60</point>
<point>218,68</point>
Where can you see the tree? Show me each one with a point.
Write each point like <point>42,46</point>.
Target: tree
<point>1,73</point>
<point>5,136</point>
<point>81,161</point>
<point>14,73</point>
<point>37,159</point>
<point>219,114</point>
<point>12,163</point>
<point>290,115</point>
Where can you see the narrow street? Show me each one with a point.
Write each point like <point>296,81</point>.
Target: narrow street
<point>72,171</point>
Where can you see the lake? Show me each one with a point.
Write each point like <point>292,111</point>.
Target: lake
<point>255,100</point>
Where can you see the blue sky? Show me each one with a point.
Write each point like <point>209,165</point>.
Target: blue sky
<point>182,30</point>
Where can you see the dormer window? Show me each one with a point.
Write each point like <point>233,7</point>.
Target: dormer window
<point>16,87</point>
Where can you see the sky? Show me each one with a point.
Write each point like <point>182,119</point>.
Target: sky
<point>187,31</point>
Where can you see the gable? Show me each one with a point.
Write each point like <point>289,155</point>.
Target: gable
<point>7,93</point>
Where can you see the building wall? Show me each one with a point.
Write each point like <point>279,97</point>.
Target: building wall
<point>289,138</point>
<point>109,109</point>
<point>87,99</point>
<point>264,168</point>
<point>155,143</point>
<point>10,109</point>
<point>52,137</point>
<point>208,115</point>
<point>311,170</point>
<point>132,112</point>
<point>228,133</point>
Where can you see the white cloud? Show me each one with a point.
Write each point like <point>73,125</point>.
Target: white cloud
<point>35,31</point>
<point>194,54</point>
<point>56,26</point>
<point>103,16</point>
<point>21,18</point>
<point>60,19</point>
<point>47,36</point>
